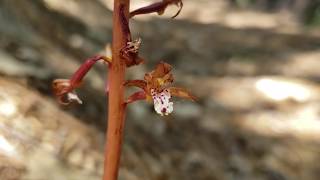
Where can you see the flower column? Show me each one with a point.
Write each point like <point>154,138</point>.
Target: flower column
<point>116,112</point>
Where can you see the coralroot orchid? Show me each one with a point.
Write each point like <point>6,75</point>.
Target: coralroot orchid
<point>155,87</point>
<point>64,89</point>
<point>125,53</point>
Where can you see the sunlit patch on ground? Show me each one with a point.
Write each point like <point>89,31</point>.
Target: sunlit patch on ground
<point>280,89</point>
<point>272,106</point>
<point>7,107</point>
<point>32,134</point>
<point>300,119</point>
<point>6,147</point>
<point>303,122</point>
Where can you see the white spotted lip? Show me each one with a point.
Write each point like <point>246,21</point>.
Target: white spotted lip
<point>162,104</point>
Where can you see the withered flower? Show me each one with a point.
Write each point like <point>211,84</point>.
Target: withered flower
<point>155,87</point>
<point>158,7</point>
<point>131,51</point>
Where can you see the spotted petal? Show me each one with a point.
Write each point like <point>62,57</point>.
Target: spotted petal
<point>161,101</point>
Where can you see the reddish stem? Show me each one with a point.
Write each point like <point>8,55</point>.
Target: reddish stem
<point>116,111</point>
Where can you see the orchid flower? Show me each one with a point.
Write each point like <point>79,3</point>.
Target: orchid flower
<point>155,87</point>
<point>64,89</point>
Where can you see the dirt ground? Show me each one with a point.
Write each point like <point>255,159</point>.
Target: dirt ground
<point>255,73</point>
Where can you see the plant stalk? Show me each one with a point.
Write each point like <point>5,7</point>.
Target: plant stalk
<point>116,107</point>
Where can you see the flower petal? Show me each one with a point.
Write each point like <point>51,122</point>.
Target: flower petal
<point>140,95</point>
<point>180,5</point>
<point>68,98</point>
<point>158,7</point>
<point>73,97</point>
<point>161,70</point>
<point>167,79</point>
<point>137,83</point>
<point>159,78</point>
<point>182,93</point>
<point>162,104</point>
<point>61,86</point>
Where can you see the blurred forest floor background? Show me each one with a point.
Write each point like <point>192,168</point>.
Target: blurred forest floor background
<point>254,64</point>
